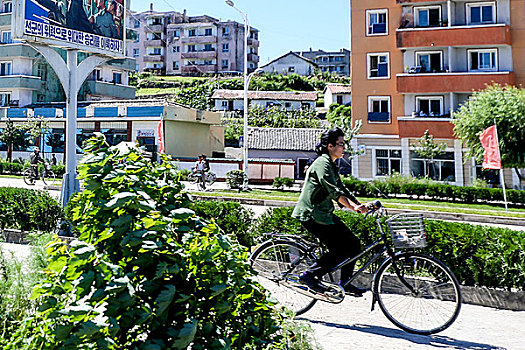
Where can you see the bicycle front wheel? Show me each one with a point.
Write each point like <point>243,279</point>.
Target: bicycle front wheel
<point>430,300</point>
<point>49,178</point>
<point>211,178</point>
<point>273,263</point>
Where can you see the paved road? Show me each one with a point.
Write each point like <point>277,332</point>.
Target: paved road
<point>351,325</point>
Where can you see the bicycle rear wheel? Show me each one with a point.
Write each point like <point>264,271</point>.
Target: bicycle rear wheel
<point>431,306</point>
<point>211,178</point>
<point>28,176</point>
<point>273,261</point>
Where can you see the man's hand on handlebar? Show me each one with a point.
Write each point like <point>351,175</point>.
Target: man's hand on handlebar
<point>362,208</point>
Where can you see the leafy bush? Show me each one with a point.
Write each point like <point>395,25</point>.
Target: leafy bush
<point>281,182</point>
<point>236,179</point>
<point>28,210</point>
<point>59,170</point>
<point>231,217</point>
<point>146,273</point>
<point>11,168</point>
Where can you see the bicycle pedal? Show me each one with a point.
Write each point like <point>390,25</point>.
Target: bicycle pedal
<point>334,293</point>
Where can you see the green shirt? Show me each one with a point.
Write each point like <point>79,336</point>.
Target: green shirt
<point>321,186</point>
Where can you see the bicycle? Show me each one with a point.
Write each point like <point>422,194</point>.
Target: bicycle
<point>45,173</point>
<point>209,179</point>
<point>416,292</point>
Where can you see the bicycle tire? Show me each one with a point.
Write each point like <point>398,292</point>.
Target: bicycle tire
<point>48,177</point>
<point>211,178</point>
<point>268,261</point>
<point>27,177</point>
<point>434,307</point>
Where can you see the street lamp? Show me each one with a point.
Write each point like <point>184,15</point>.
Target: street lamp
<point>246,82</point>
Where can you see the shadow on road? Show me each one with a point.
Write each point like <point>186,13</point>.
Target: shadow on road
<point>431,340</point>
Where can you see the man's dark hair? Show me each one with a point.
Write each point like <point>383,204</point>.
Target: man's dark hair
<point>329,137</point>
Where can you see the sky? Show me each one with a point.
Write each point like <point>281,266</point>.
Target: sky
<point>284,25</point>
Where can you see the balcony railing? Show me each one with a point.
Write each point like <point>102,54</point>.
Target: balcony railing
<point>494,34</point>
<point>379,117</point>
<point>109,89</point>
<point>199,39</point>
<point>451,82</point>
<point>253,42</point>
<point>199,69</point>
<point>154,43</point>
<point>253,57</point>
<point>416,127</point>
<point>153,58</point>
<point>21,82</point>
<point>199,54</point>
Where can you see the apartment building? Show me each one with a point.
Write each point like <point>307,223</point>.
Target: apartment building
<point>414,63</point>
<point>330,61</point>
<point>178,44</point>
<point>26,77</point>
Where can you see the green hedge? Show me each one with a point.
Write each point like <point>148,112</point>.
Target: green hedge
<point>478,255</point>
<point>13,168</point>
<point>435,191</point>
<point>28,210</point>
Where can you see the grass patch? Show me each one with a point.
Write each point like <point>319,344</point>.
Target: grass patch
<point>177,78</point>
<point>151,91</point>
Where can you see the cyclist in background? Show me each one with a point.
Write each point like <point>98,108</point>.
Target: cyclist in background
<point>202,166</point>
<point>34,159</point>
<point>315,211</point>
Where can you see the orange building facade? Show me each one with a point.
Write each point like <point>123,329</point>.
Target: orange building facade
<point>414,62</point>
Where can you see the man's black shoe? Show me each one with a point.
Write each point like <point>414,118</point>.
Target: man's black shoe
<point>354,291</point>
<point>312,282</point>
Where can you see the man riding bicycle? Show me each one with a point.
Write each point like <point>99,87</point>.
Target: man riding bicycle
<point>34,159</point>
<point>202,166</point>
<point>315,211</point>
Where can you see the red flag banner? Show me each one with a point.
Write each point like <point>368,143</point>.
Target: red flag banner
<point>160,136</point>
<point>489,141</point>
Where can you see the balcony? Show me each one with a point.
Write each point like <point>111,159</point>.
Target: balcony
<point>154,28</point>
<point>154,58</point>
<point>123,63</point>
<point>401,2</point>
<point>199,54</point>
<point>199,39</point>
<point>109,89</point>
<point>17,50</point>
<point>451,82</point>
<point>253,42</point>
<point>20,82</point>
<point>416,127</point>
<point>153,43</point>
<point>378,117</point>
<point>495,34</point>
<point>5,19</point>
<point>253,57</point>
<point>212,68</point>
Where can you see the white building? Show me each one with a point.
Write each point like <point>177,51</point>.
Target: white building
<point>290,63</point>
<point>337,93</point>
<point>233,100</point>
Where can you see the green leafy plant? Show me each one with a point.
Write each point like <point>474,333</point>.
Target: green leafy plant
<point>281,182</point>
<point>428,149</point>
<point>236,179</point>
<point>146,272</point>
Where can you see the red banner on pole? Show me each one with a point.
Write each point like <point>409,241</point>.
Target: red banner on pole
<point>491,155</point>
<point>160,136</point>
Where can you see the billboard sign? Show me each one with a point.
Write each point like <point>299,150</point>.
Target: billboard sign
<point>95,26</point>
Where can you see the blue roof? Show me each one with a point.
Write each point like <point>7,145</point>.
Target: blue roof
<point>106,112</point>
<point>81,113</point>
<point>147,111</point>
<point>45,112</point>
<point>17,112</point>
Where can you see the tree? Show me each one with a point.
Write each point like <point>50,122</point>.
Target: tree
<point>341,117</point>
<point>11,135</point>
<point>506,107</point>
<point>429,149</point>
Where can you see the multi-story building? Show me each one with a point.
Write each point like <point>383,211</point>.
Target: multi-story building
<point>414,63</point>
<point>26,77</point>
<point>174,43</point>
<point>330,61</point>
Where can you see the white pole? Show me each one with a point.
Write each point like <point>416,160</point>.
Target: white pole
<point>501,175</point>
<point>246,108</point>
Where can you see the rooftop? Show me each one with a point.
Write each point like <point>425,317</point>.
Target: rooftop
<point>283,139</point>
<point>339,88</point>
<point>266,95</point>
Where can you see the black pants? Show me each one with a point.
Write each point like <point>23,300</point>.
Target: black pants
<point>341,244</point>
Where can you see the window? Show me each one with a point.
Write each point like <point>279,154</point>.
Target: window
<point>135,52</point>
<point>192,48</point>
<point>156,36</point>
<point>483,60</point>
<point>481,12</point>
<point>427,16</point>
<point>379,109</point>
<point>441,168</point>
<point>175,65</point>
<point>6,37</point>
<point>387,162</point>
<point>378,65</point>
<point>5,68</point>
<point>5,98</point>
<point>115,136</point>
<point>117,77</point>
<point>291,69</point>
<point>224,104</point>
<point>339,99</point>
<point>138,38</point>
<point>430,106</point>
<point>157,51</point>
<point>225,64</point>
<point>208,32</point>
<point>208,62</point>
<point>41,71</point>
<point>287,105</point>
<point>176,49</point>
<point>192,32</point>
<point>430,62</point>
<point>226,31</point>
<point>7,7</point>
<point>225,47</point>
<point>208,47</point>
<point>376,22</point>
<point>136,23</point>
<point>176,33</point>
<point>97,75</point>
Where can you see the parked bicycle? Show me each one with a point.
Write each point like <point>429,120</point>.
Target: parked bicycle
<point>209,179</point>
<point>35,172</point>
<point>416,292</point>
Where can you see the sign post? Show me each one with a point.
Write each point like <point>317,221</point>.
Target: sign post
<point>93,26</point>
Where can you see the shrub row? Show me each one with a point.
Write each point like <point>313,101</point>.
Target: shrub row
<point>28,210</point>
<point>435,191</point>
<point>478,255</point>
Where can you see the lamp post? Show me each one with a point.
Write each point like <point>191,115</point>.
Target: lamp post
<point>246,82</point>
